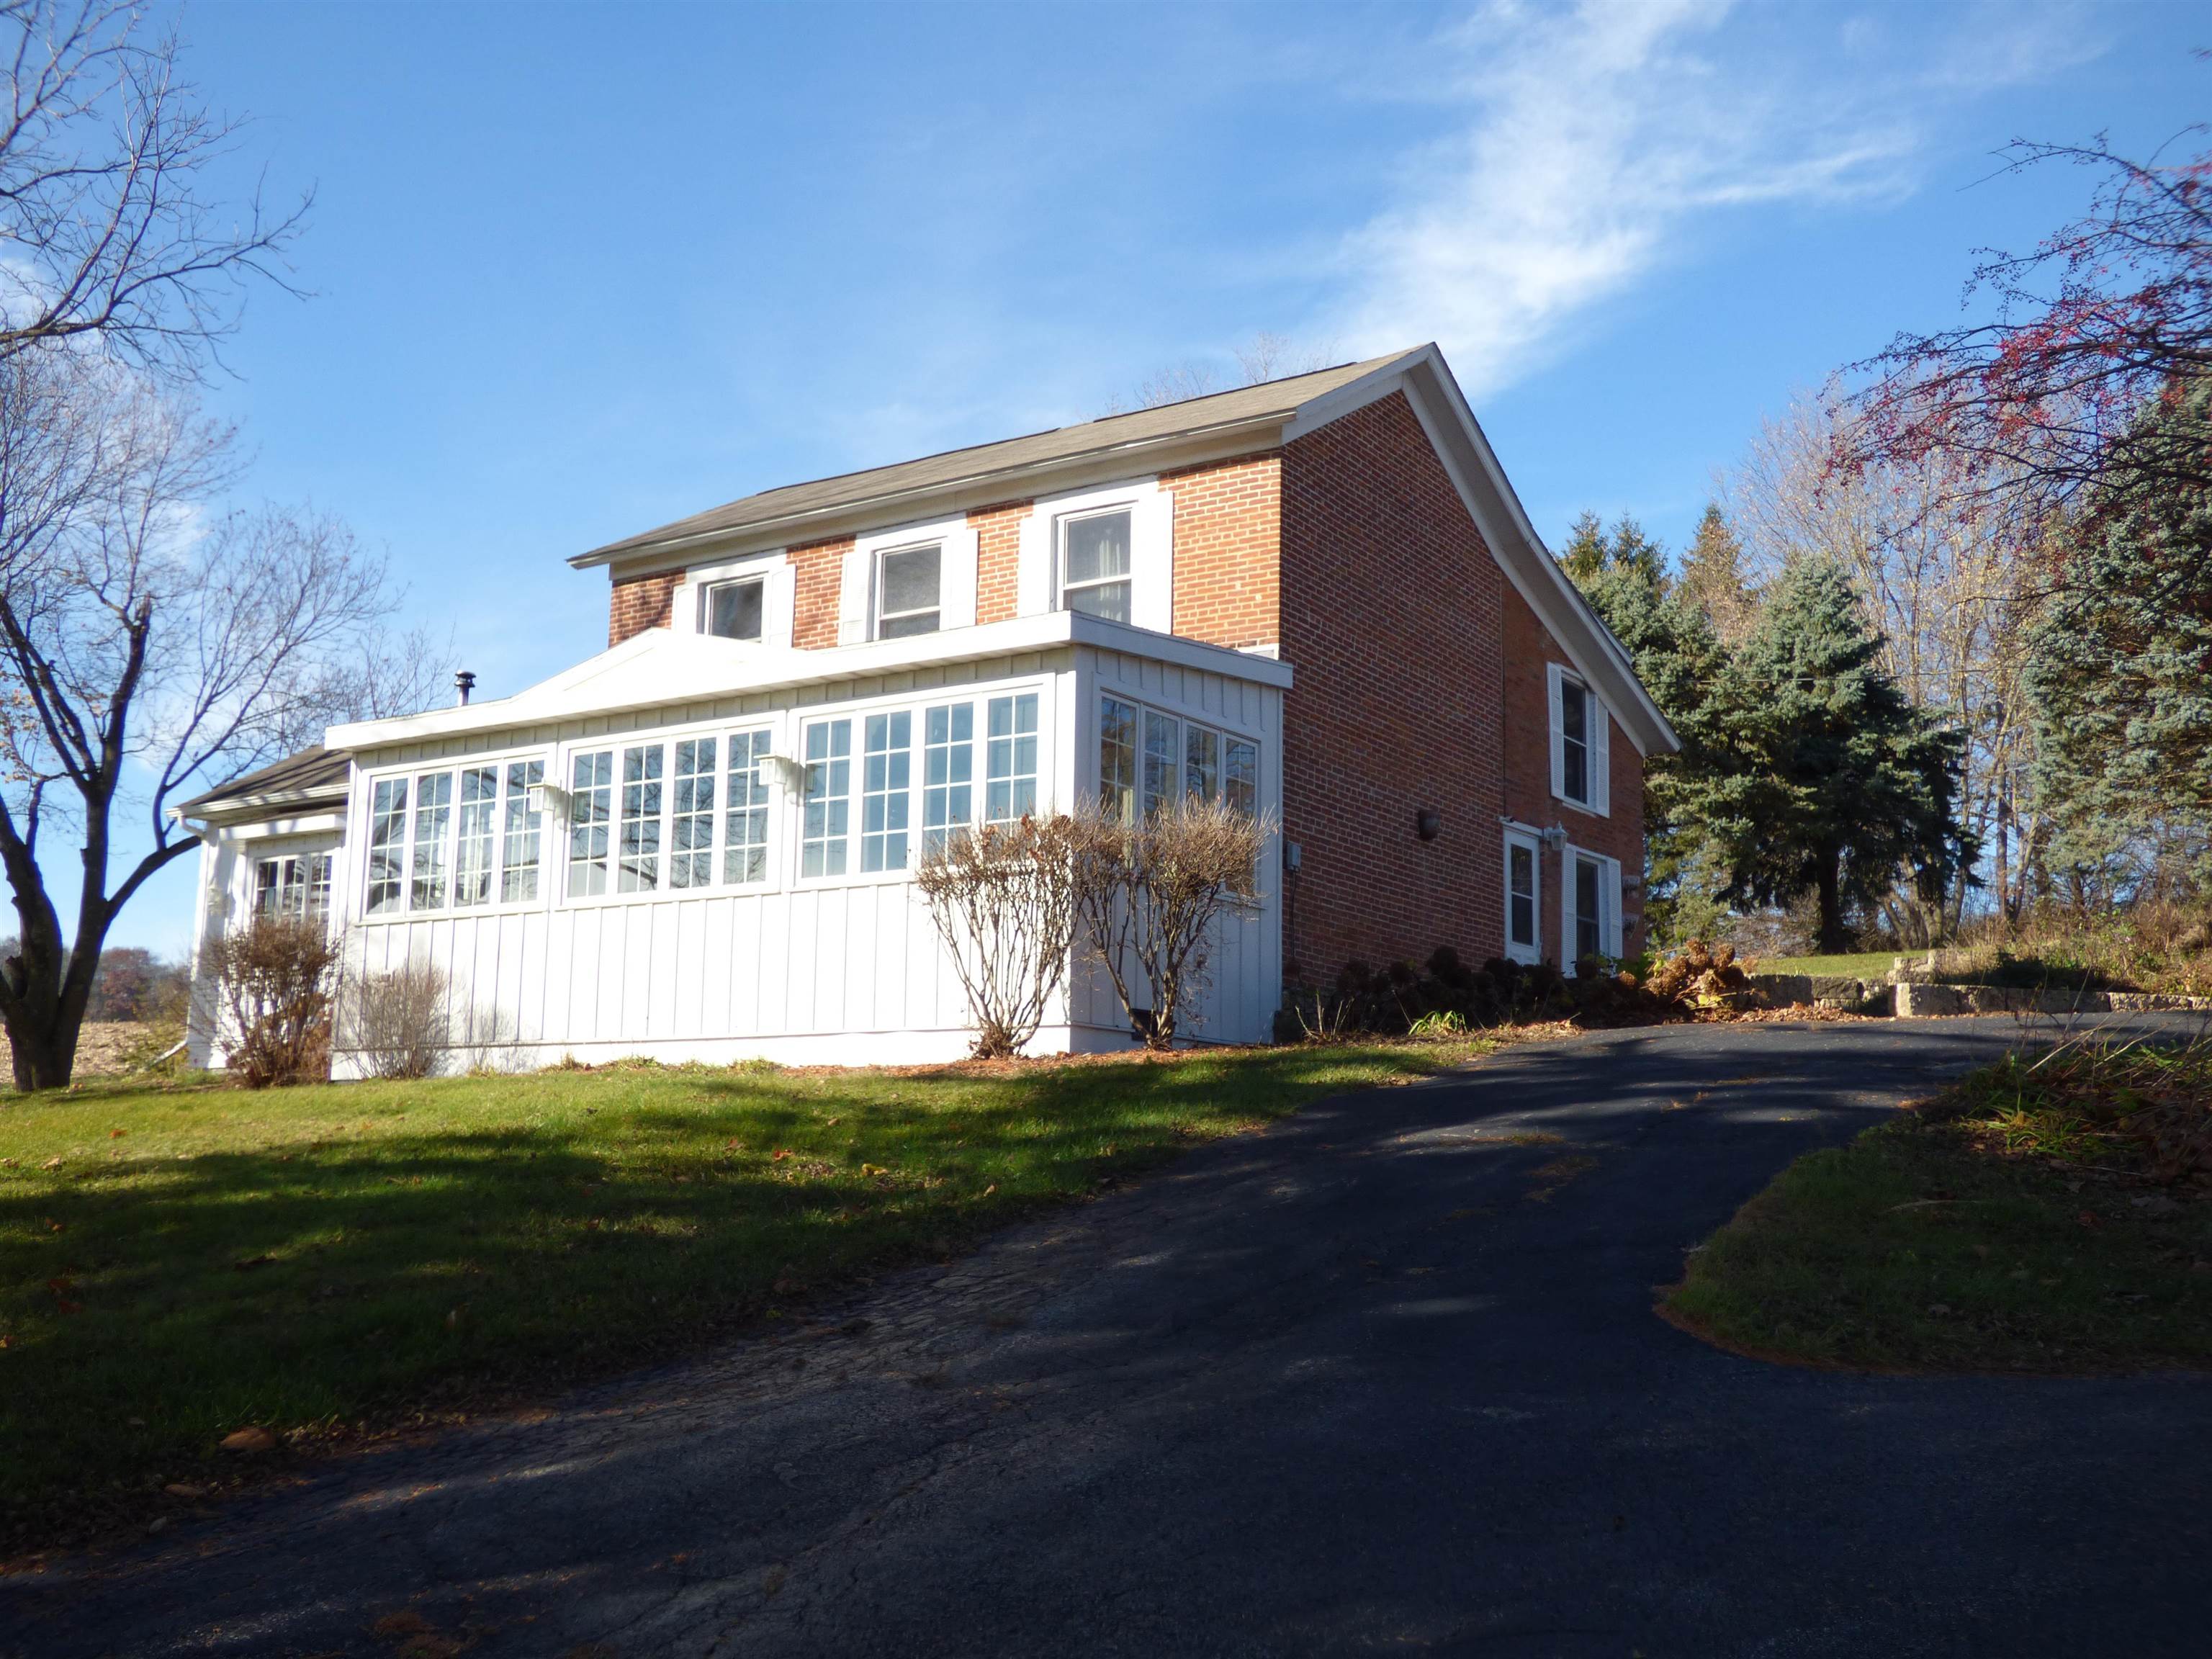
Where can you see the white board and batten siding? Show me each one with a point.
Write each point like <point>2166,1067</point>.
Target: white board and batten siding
<point>845,969</point>
<point>1244,976</point>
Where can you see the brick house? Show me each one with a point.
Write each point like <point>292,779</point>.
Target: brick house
<point>1317,598</point>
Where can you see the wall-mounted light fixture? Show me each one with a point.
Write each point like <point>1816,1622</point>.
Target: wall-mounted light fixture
<point>1428,824</point>
<point>1556,837</point>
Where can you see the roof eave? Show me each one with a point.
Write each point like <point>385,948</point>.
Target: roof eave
<point>819,523</point>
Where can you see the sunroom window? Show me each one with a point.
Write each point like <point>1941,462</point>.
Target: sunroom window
<point>1009,775</point>
<point>1094,564</point>
<point>744,816</point>
<point>886,781</point>
<point>1153,761</point>
<point>1117,758</point>
<point>948,772</point>
<point>826,798</point>
<point>449,839</point>
<point>908,586</point>
<point>295,886</point>
<point>644,818</point>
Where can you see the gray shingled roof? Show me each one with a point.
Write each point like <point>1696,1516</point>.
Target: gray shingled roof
<point>1192,417</point>
<point>314,770</point>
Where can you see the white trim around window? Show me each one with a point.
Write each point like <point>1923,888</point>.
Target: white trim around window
<point>1580,742</point>
<point>867,610</point>
<point>1043,582</point>
<point>1524,897</point>
<point>454,837</point>
<point>691,608</point>
<point>1584,876</point>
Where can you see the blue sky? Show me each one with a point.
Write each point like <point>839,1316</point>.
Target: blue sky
<point>577,270</point>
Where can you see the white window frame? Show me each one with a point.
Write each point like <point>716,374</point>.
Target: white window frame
<point>449,842</point>
<point>722,734</point>
<point>1532,843</point>
<point>1179,778</point>
<point>305,862</point>
<point>1151,550</point>
<point>1597,725</point>
<point>1608,897</point>
<point>859,592</point>
<point>687,609</point>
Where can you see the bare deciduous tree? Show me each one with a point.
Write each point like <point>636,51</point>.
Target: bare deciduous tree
<point>1268,357</point>
<point>143,655</point>
<point>1003,898</point>
<point>1149,894</point>
<point>105,227</point>
<point>1947,577</point>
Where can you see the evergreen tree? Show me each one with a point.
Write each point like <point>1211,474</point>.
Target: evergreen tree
<point>1833,782</point>
<point>2120,669</point>
<point>1590,551</point>
<point>1713,576</point>
<point>1685,668</point>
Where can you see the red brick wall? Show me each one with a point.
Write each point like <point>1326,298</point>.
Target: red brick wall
<point>818,574</point>
<point>998,557</point>
<point>1228,532</point>
<point>639,604</point>
<point>1390,618</point>
<point>1529,649</point>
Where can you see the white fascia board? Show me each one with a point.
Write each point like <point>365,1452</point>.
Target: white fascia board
<point>228,825</point>
<point>247,809</point>
<point>662,667</point>
<point>1103,465</point>
<point>1467,456</point>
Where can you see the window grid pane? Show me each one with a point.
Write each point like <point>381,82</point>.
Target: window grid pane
<point>518,852</point>
<point>827,794</point>
<point>1202,764</point>
<point>744,819</point>
<point>948,771</point>
<point>1117,759</point>
<point>1160,747</point>
<point>1010,764</point>
<point>433,811</point>
<point>691,821</point>
<point>1240,778</point>
<point>640,869</point>
<point>387,836</point>
<point>886,785</point>
<point>318,886</point>
<point>472,846</point>
<point>591,812</point>
<point>266,880</point>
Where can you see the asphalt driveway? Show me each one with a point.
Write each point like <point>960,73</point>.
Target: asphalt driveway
<point>1385,1379</point>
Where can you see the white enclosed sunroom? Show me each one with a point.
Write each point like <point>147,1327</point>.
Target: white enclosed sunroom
<point>693,848</point>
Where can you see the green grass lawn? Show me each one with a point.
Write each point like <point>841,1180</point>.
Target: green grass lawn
<point>1864,964</point>
<point>2047,1218</point>
<point>178,1262</point>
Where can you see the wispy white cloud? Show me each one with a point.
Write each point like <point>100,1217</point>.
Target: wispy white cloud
<point>1596,142</point>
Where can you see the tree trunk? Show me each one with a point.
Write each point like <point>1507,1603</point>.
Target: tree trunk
<point>1832,940</point>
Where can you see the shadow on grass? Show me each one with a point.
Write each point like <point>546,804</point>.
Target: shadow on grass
<point>537,1231</point>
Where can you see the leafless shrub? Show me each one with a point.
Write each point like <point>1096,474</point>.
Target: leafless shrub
<point>1003,898</point>
<point>1148,893</point>
<point>397,1023</point>
<point>266,994</point>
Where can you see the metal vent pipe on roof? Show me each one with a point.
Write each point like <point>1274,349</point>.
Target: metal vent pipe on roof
<point>465,681</point>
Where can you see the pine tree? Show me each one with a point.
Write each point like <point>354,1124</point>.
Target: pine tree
<point>1713,577</point>
<point>1685,669</point>
<point>2120,664</point>
<point>1589,552</point>
<point>1834,780</point>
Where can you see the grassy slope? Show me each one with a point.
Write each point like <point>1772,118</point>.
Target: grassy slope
<point>1865,965</point>
<point>2009,1227</point>
<point>200,1258</point>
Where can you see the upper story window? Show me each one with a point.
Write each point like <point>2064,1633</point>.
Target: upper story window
<point>910,587</point>
<point>1578,722</point>
<point>735,610</point>
<point>1095,564</point>
<point>455,838</point>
